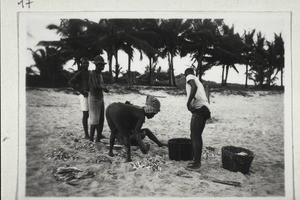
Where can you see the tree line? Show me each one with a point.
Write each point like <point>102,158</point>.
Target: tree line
<point>209,42</point>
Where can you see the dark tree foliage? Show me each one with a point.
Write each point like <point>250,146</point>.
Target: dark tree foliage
<point>209,42</point>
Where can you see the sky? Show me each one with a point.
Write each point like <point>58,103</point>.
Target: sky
<point>267,23</point>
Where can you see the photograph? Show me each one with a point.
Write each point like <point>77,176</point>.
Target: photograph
<point>157,104</point>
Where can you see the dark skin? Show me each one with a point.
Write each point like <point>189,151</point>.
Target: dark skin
<point>192,94</point>
<point>99,127</point>
<point>195,164</point>
<point>136,133</point>
<point>146,132</point>
<point>143,133</point>
<point>80,83</point>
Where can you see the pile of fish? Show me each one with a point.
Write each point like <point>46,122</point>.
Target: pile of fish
<point>150,164</point>
<point>60,154</point>
<point>71,175</point>
<point>122,153</point>
<point>100,159</point>
<point>209,152</point>
<point>85,145</point>
<point>67,135</point>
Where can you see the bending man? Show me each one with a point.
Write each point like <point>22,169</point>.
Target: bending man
<point>127,120</point>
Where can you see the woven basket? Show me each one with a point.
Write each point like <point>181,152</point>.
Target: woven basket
<point>237,159</point>
<point>180,149</point>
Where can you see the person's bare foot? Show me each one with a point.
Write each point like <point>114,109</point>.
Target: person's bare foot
<point>100,138</point>
<point>111,154</point>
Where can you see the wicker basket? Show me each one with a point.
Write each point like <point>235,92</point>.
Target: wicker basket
<point>237,159</point>
<point>180,149</point>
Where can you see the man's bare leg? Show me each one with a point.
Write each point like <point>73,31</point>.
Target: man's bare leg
<point>100,126</point>
<point>92,131</point>
<point>112,143</point>
<point>85,117</point>
<point>127,147</point>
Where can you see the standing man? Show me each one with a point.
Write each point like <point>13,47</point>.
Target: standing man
<point>80,83</point>
<point>96,101</point>
<point>127,120</point>
<point>198,104</point>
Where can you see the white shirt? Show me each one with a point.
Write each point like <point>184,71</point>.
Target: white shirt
<point>200,96</point>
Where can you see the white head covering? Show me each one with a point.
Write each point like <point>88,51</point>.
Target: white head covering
<point>152,105</point>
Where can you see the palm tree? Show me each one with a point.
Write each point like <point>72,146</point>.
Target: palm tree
<point>279,52</point>
<point>136,37</point>
<point>49,62</point>
<point>152,28</point>
<point>199,40</point>
<point>271,62</point>
<point>75,40</point>
<point>72,41</point>
<point>228,51</point>
<point>259,57</point>
<point>118,34</point>
<point>249,42</point>
<point>171,33</point>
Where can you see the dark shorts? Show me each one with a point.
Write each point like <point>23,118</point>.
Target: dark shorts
<point>203,112</point>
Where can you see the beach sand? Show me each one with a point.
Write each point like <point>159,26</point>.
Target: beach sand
<point>253,121</point>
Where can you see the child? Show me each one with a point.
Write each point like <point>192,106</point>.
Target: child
<point>198,104</point>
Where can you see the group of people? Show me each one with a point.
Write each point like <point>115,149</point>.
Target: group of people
<point>126,120</point>
<point>91,86</point>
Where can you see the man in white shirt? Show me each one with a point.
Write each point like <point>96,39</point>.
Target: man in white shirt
<point>198,104</point>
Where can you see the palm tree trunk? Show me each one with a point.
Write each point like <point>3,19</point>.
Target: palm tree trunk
<point>199,67</point>
<point>281,76</point>
<point>227,69</point>
<point>223,70</point>
<point>269,79</point>
<point>109,58</point>
<point>207,92</point>
<point>117,67</point>
<point>261,79</point>
<point>78,64</point>
<point>172,72</point>
<point>246,83</point>
<point>150,71</point>
<point>129,72</point>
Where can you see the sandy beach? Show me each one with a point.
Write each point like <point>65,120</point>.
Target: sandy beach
<point>54,138</point>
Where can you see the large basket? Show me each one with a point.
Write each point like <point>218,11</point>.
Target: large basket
<point>237,159</point>
<point>180,149</point>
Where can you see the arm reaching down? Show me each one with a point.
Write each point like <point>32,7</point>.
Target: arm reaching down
<point>137,136</point>
<point>152,137</point>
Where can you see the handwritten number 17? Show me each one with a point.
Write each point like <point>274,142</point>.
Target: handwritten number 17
<point>27,3</point>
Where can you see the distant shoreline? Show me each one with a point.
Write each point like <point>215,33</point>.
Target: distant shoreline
<point>230,89</point>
